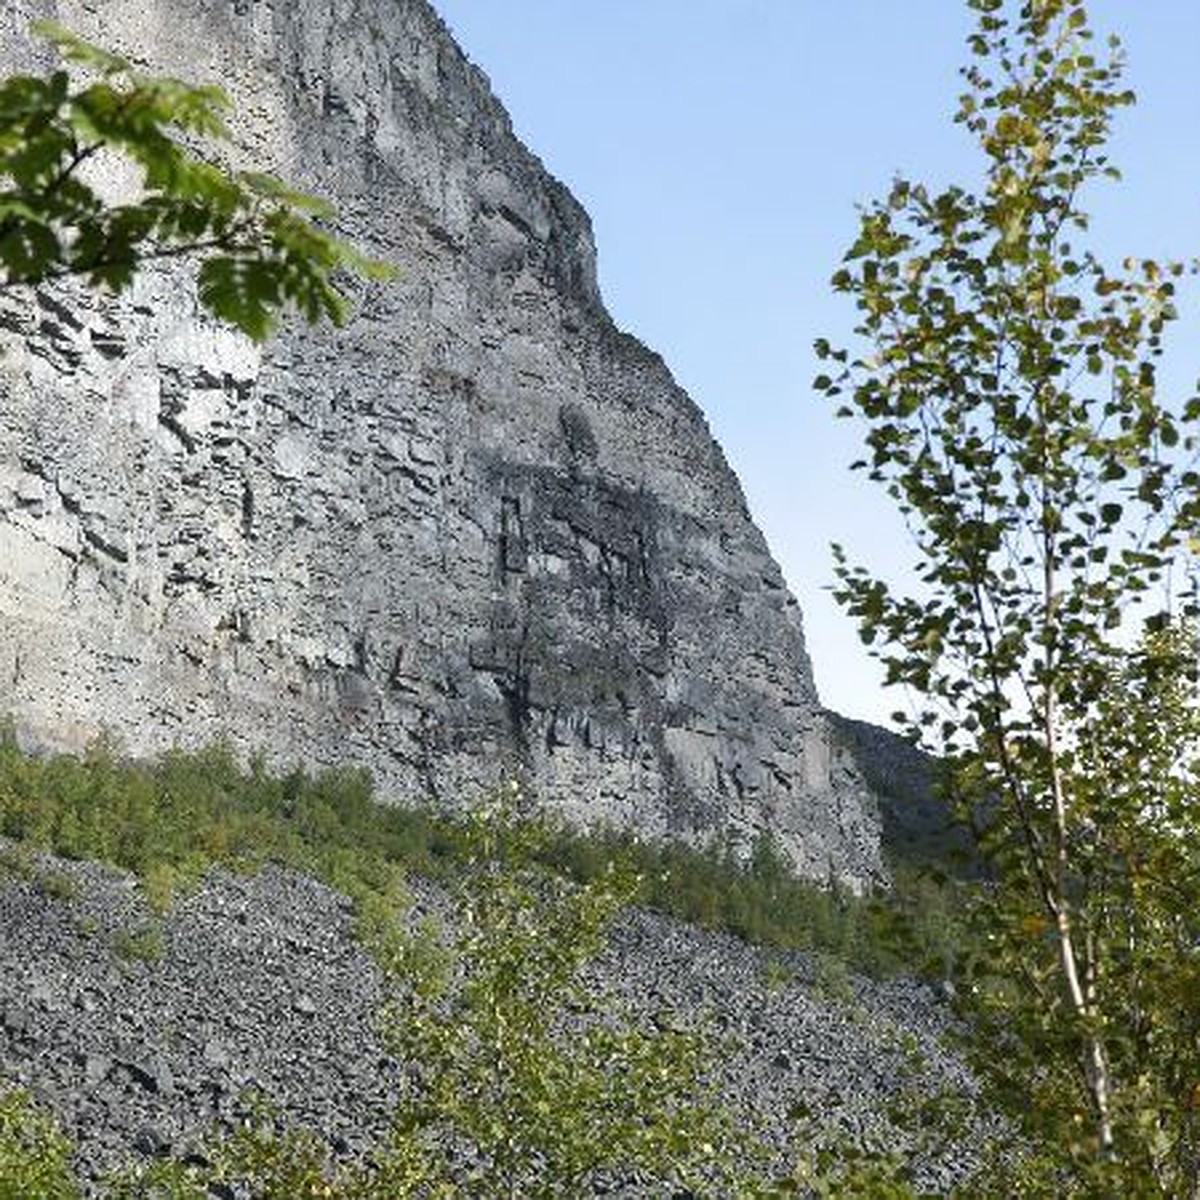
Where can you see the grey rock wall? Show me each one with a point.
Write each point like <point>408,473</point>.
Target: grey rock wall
<point>479,532</point>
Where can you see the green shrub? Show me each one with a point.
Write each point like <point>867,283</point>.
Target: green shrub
<point>140,945</point>
<point>34,1154</point>
<point>56,885</point>
<point>524,1081</point>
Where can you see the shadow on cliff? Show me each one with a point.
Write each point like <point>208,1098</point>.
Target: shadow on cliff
<point>919,827</point>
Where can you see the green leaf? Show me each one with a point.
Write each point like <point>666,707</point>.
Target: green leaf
<point>28,250</point>
<point>245,292</point>
<point>76,49</point>
<point>270,188</point>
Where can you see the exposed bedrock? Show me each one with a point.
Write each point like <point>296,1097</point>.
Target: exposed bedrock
<point>479,532</point>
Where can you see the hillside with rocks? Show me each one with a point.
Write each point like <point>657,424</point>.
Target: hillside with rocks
<point>255,985</point>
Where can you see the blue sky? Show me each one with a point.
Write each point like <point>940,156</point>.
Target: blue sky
<point>720,147</point>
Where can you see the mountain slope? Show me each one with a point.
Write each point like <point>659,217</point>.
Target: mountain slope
<point>258,985</point>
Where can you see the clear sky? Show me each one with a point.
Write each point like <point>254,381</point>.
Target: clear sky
<point>720,147</point>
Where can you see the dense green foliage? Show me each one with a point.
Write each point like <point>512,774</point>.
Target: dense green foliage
<point>171,819</point>
<point>260,246</point>
<point>1008,379</point>
<point>34,1155</point>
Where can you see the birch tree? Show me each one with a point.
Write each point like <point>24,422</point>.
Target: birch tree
<point>1008,381</point>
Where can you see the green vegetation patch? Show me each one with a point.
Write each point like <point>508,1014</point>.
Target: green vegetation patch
<point>34,1154</point>
<point>169,820</point>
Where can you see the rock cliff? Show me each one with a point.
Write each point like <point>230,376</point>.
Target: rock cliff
<point>479,532</point>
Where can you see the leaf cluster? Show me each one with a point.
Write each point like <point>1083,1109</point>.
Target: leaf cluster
<point>262,244</point>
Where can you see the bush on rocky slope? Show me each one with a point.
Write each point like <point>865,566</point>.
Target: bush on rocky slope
<point>173,819</point>
<point>169,820</point>
<point>34,1155</point>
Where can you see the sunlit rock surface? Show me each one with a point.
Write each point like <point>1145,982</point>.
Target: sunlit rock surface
<point>480,532</point>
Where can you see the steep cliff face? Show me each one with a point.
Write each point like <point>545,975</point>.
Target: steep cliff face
<point>480,531</point>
